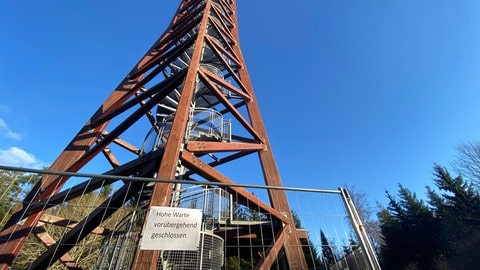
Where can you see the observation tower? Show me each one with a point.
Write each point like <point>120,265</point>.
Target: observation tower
<point>184,112</point>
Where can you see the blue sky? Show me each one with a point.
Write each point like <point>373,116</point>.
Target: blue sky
<point>365,93</point>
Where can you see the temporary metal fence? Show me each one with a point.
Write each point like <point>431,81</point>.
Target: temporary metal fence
<point>234,234</point>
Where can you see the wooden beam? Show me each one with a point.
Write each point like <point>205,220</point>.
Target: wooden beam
<point>68,223</point>
<point>272,252</point>
<point>161,193</point>
<point>47,240</point>
<point>206,146</point>
<point>209,173</point>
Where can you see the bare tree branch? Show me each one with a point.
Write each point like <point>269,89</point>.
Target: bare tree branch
<point>467,161</point>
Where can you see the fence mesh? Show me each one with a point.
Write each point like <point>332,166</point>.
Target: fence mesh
<point>235,234</point>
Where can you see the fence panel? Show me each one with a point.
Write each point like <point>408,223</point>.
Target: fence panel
<point>94,223</point>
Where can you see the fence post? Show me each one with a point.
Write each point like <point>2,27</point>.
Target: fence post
<point>359,229</point>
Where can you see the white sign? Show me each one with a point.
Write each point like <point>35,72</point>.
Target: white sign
<point>170,228</point>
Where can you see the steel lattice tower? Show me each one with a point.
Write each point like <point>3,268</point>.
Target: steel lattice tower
<point>194,72</point>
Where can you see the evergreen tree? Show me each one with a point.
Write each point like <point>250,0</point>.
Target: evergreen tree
<point>441,234</point>
<point>408,226</point>
<point>12,190</point>
<point>457,208</point>
<point>327,250</point>
<point>309,250</point>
